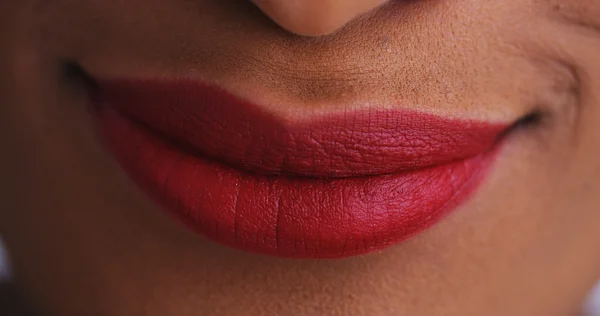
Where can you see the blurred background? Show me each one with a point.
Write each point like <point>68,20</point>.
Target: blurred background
<point>3,264</point>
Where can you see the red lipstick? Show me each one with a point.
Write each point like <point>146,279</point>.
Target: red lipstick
<point>336,185</point>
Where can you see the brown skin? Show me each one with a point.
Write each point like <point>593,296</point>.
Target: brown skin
<point>84,241</point>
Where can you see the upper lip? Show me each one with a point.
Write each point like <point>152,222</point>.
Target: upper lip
<point>347,144</point>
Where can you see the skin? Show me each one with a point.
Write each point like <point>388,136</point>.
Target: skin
<point>84,241</point>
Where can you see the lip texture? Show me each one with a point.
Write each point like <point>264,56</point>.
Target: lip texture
<point>333,186</point>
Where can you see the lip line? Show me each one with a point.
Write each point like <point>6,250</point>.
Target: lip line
<point>189,150</point>
<point>399,140</point>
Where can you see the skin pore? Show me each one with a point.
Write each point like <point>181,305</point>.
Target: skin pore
<point>85,241</point>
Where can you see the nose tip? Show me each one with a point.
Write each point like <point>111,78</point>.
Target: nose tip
<point>315,17</point>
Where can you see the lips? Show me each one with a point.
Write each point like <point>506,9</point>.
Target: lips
<point>331,186</point>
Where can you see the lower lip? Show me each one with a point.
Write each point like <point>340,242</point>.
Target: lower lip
<point>286,216</point>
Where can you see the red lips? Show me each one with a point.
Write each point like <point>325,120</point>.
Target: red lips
<point>333,186</point>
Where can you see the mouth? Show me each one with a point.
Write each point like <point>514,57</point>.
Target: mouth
<point>332,186</point>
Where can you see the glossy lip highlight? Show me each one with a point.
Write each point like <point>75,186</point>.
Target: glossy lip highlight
<point>339,185</point>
